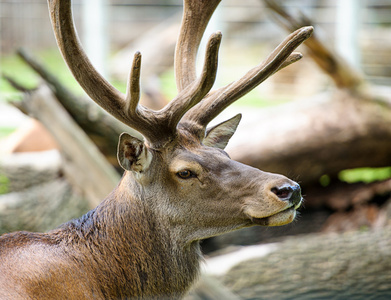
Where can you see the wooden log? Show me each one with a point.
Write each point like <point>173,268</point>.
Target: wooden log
<point>28,169</point>
<point>354,265</point>
<point>85,166</point>
<point>310,138</point>
<point>34,195</point>
<point>41,207</point>
<point>210,288</point>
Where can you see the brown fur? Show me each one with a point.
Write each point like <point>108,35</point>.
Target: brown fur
<point>117,250</point>
<point>142,241</point>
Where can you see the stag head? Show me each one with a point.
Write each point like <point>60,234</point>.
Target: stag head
<point>180,169</point>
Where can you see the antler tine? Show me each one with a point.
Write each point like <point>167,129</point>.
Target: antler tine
<point>137,116</point>
<point>158,127</point>
<point>101,91</point>
<point>196,16</point>
<point>123,107</point>
<point>217,101</point>
<point>163,124</point>
<point>132,97</point>
<point>196,90</point>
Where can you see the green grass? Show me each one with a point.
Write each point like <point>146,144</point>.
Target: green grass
<point>254,100</point>
<point>13,66</point>
<point>4,184</point>
<point>5,131</point>
<point>366,175</point>
<point>167,83</point>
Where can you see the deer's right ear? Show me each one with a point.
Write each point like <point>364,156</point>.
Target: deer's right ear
<point>219,135</point>
<point>132,154</point>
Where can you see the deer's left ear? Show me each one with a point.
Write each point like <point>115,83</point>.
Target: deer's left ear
<point>132,153</point>
<point>219,135</point>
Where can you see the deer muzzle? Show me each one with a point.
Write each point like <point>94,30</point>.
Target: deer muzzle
<point>289,193</point>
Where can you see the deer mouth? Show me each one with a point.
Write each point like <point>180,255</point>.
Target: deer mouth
<point>280,218</point>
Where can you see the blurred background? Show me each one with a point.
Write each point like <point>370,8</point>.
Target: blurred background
<point>324,121</point>
<point>109,28</point>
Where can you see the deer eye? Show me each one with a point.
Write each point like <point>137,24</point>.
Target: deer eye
<point>186,174</point>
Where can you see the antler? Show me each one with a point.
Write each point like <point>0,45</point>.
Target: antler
<point>218,100</point>
<point>195,19</point>
<point>159,127</point>
<point>196,16</point>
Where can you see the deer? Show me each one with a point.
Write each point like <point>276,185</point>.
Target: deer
<point>179,184</point>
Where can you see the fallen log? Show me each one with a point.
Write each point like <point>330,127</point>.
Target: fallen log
<point>25,170</point>
<point>337,208</point>
<point>307,139</point>
<point>41,207</point>
<point>85,166</point>
<point>209,288</point>
<point>35,196</point>
<point>354,265</point>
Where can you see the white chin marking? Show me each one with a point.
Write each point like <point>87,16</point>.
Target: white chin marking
<point>282,218</point>
<point>278,219</point>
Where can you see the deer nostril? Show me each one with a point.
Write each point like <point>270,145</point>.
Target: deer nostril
<point>290,193</point>
<point>283,193</point>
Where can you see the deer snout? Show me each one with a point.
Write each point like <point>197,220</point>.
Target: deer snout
<point>291,193</point>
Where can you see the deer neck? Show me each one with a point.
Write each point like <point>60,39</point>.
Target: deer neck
<point>132,248</point>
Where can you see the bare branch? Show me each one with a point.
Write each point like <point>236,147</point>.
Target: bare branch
<point>343,74</point>
<point>16,85</point>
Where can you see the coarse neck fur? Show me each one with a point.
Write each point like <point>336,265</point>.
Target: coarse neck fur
<point>133,250</point>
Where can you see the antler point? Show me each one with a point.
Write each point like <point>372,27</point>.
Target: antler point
<point>308,29</point>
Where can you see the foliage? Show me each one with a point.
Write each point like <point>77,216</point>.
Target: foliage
<point>365,174</point>
<point>14,67</point>
<point>5,131</point>
<point>4,184</point>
